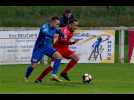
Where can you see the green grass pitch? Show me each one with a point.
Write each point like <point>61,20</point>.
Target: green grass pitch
<point>108,78</point>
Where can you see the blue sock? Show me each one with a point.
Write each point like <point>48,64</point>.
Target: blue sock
<point>56,66</point>
<point>28,71</point>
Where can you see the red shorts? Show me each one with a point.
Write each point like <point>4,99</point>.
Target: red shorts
<point>66,53</point>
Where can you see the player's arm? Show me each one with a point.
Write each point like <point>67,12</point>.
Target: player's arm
<point>108,36</point>
<point>44,29</point>
<point>63,38</point>
<point>94,44</point>
<point>105,40</point>
<point>56,37</point>
<point>61,34</point>
<point>65,41</point>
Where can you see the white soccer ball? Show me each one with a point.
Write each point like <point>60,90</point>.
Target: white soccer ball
<point>87,78</point>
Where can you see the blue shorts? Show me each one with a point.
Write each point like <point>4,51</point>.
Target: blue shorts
<point>38,53</point>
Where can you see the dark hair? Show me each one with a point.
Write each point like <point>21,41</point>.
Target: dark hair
<point>99,38</point>
<point>72,21</point>
<point>67,11</point>
<point>55,18</point>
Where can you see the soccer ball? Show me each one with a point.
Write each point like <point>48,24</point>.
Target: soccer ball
<point>87,78</point>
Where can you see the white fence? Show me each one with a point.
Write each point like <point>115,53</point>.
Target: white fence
<point>35,29</point>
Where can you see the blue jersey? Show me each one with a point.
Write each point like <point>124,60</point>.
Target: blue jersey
<point>96,44</point>
<point>44,42</point>
<point>46,36</point>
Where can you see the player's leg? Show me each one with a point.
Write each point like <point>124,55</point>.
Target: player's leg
<point>74,59</point>
<point>90,55</point>
<point>51,52</point>
<point>54,71</point>
<point>29,70</point>
<point>44,72</point>
<point>36,56</point>
<point>56,64</point>
<point>57,61</point>
<point>97,52</point>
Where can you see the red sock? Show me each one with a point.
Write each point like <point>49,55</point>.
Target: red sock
<point>44,73</point>
<point>69,66</point>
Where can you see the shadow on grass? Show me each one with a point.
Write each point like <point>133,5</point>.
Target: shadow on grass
<point>65,84</point>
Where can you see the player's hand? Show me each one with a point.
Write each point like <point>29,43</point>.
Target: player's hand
<point>108,37</point>
<point>65,36</point>
<point>77,40</point>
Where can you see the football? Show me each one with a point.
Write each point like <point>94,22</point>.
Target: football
<point>87,78</point>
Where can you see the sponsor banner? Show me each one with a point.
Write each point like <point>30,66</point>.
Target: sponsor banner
<point>16,46</point>
<point>131,46</point>
<point>95,46</point>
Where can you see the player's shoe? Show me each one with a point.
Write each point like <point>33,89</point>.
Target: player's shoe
<point>38,81</point>
<point>55,78</point>
<point>26,79</point>
<point>65,76</point>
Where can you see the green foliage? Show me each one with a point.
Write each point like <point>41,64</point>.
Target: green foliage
<point>28,16</point>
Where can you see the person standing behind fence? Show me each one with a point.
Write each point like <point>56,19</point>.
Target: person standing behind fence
<point>67,16</point>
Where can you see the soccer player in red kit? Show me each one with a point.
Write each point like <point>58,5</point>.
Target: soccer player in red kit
<point>62,46</point>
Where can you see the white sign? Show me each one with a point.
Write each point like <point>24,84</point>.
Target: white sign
<point>95,46</point>
<point>16,46</point>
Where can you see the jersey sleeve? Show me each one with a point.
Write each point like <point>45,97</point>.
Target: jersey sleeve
<point>66,42</point>
<point>60,33</point>
<point>44,29</point>
<point>62,23</point>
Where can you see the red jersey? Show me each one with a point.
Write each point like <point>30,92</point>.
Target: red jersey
<point>64,43</point>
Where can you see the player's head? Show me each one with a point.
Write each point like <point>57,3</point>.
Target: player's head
<point>67,13</point>
<point>73,24</point>
<point>99,38</point>
<point>55,21</point>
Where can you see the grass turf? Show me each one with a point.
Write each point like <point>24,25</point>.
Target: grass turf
<point>108,78</point>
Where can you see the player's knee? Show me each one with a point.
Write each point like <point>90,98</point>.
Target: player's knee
<point>34,65</point>
<point>76,57</point>
<point>57,55</point>
<point>52,64</point>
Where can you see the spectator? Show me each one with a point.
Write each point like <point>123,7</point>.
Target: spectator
<point>66,17</point>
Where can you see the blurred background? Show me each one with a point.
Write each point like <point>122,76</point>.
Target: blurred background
<point>89,16</point>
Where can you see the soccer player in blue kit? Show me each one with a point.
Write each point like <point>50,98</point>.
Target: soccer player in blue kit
<point>44,46</point>
<point>97,45</point>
